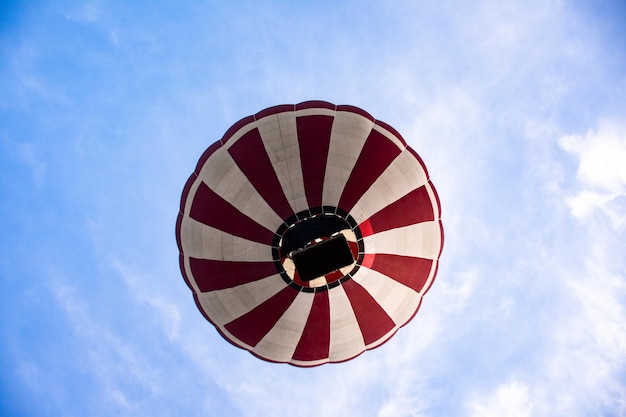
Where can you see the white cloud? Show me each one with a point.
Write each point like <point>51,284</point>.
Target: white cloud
<point>510,399</point>
<point>601,171</point>
<point>580,336</point>
<point>115,363</point>
<point>589,346</point>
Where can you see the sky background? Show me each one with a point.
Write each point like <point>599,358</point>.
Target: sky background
<point>518,109</point>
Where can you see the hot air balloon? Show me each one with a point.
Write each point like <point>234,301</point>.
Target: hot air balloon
<point>309,233</point>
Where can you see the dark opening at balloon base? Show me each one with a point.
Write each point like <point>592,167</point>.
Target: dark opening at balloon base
<point>318,249</point>
<point>322,258</point>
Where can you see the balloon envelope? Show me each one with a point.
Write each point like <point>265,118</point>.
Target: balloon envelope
<point>309,233</point>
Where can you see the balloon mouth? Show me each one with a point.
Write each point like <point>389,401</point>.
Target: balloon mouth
<point>317,249</point>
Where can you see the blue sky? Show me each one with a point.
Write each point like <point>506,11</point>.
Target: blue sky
<point>518,109</point>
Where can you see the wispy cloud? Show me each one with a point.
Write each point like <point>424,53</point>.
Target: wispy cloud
<point>30,154</point>
<point>116,364</point>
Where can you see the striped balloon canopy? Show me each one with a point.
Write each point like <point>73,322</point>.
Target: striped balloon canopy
<point>309,233</point>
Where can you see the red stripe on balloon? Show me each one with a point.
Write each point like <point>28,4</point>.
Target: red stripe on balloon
<point>377,154</point>
<point>366,228</point>
<point>430,284</point>
<point>407,270</point>
<point>314,141</point>
<point>373,321</point>
<point>368,260</point>
<point>212,275</point>
<point>354,248</point>
<point>315,340</point>
<point>255,324</point>
<point>333,276</point>
<point>249,154</point>
<point>211,209</point>
<point>415,207</point>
